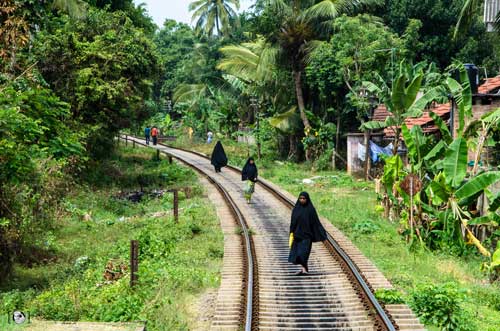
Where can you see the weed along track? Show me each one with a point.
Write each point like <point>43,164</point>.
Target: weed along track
<point>336,295</point>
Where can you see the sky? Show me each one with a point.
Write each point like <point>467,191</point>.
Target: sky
<point>159,10</point>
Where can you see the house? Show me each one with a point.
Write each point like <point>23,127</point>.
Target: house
<point>486,99</point>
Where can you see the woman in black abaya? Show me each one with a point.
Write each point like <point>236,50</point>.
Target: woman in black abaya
<point>305,228</point>
<point>219,158</point>
<point>249,174</point>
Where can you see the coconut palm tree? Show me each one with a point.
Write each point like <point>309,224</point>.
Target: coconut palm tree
<point>302,24</point>
<point>214,14</point>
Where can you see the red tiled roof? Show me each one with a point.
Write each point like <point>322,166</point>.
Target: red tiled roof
<point>380,113</point>
<point>425,121</point>
<point>490,85</point>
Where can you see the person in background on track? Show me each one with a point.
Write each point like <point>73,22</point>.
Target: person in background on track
<point>249,173</point>
<point>219,158</point>
<point>147,134</point>
<point>154,134</point>
<point>305,228</point>
<point>209,137</point>
<point>190,133</point>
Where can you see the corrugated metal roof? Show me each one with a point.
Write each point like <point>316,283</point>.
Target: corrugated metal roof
<point>491,9</point>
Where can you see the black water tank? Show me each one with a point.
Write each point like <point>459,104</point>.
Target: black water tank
<point>473,73</point>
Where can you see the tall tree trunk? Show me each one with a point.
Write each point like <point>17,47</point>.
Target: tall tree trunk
<point>300,101</point>
<point>396,141</point>
<point>297,75</point>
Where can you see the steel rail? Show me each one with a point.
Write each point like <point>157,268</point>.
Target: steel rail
<point>241,219</point>
<point>386,323</point>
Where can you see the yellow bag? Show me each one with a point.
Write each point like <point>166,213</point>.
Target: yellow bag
<point>290,240</point>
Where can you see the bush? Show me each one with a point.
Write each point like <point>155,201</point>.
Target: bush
<point>365,227</point>
<point>440,305</point>
<point>389,296</point>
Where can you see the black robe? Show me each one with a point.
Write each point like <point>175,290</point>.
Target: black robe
<point>306,228</point>
<point>219,158</point>
<point>249,171</point>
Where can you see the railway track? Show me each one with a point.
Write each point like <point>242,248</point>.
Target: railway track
<point>338,293</point>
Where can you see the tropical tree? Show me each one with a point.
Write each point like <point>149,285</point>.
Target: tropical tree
<point>301,25</point>
<point>214,14</point>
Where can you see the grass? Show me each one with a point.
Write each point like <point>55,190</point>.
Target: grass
<point>178,261</point>
<point>350,205</point>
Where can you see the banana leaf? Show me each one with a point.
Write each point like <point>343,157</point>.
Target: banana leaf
<point>398,94</point>
<point>437,190</point>
<point>443,128</point>
<point>455,162</point>
<point>412,90</point>
<point>477,184</point>
<point>415,140</point>
<point>416,109</point>
<point>435,151</point>
<point>488,219</point>
<point>495,260</point>
<point>495,203</point>
<point>392,170</point>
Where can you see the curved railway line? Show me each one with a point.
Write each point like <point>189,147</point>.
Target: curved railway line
<point>259,289</point>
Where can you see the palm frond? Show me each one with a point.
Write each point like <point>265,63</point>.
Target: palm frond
<point>286,122</point>
<point>335,8</point>
<point>467,15</point>
<point>189,92</point>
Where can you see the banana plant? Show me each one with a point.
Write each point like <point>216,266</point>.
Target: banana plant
<point>401,100</point>
<point>448,192</point>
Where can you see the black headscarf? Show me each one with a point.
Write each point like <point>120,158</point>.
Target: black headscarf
<point>249,171</point>
<point>305,221</point>
<point>219,158</point>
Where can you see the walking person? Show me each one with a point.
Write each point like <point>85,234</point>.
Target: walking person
<point>147,134</point>
<point>305,228</point>
<point>154,134</point>
<point>249,174</point>
<point>209,136</point>
<point>219,158</point>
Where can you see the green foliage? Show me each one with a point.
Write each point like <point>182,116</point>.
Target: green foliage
<point>175,42</point>
<point>38,149</point>
<point>441,305</point>
<point>365,227</point>
<point>433,42</point>
<point>389,297</point>
<point>103,67</point>
<point>177,260</point>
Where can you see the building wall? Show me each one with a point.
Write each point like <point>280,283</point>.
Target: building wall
<point>478,110</point>
<point>354,165</point>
